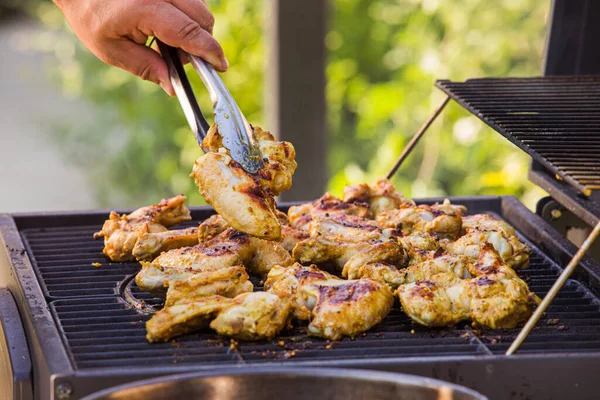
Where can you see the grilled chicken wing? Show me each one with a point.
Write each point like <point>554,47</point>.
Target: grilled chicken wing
<point>149,245</point>
<point>344,308</point>
<point>328,205</point>
<point>512,251</point>
<point>228,249</point>
<point>380,262</point>
<point>211,227</point>
<point>183,318</point>
<point>121,232</point>
<point>485,222</point>
<point>420,246</point>
<point>285,281</point>
<point>253,316</point>
<point>248,316</point>
<point>226,282</point>
<point>443,220</point>
<point>245,200</point>
<point>496,297</point>
<point>382,196</point>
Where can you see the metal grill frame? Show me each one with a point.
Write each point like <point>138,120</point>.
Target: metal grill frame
<point>490,99</point>
<point>502,377</point>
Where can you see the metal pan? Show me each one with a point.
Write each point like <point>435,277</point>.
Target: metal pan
<point>290,384</point>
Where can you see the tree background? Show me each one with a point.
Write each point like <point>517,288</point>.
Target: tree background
<point>383,59</point>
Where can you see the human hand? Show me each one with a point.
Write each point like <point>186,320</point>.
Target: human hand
<point>116,31</point>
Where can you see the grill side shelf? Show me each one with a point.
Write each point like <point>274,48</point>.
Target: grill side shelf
<point>553,119</point>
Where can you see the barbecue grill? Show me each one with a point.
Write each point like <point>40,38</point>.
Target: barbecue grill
<point>69,329</point>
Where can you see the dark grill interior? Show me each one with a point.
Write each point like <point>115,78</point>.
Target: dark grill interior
<point>102,325</point>
<point>556,120</point>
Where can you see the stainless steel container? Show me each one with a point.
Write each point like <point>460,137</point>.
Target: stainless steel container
<point>289,384</point>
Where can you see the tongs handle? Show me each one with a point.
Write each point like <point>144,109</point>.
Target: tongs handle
<point>185,93</point>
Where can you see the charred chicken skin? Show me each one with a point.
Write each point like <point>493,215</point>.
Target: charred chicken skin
<point>121,232</point>
<point>246,201</point>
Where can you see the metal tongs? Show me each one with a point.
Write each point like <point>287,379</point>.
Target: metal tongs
<point>237,133</point>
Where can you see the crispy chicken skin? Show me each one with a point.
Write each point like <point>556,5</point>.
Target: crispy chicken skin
<point>253,316</point>
<point>245,201</point>
<point>285,281</point>
<point>341,308</point>
<point>443,220</point>
<point>266,255</point>
<point>183,318</point>
<point>226,282</point>
<point>510,248</point>
<point>382,196</point>
<point>420,246</point>
<point>121,232</point>
<point>495,297</point>
<point>149,245</point>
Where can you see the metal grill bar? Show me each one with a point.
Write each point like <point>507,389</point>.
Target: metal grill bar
<point>556,120</point>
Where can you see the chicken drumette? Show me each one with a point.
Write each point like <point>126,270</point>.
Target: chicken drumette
<point>121,232</point>
<point>382,196</point>
<point>246,201</point>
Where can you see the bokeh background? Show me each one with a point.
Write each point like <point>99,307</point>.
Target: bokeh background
<point>77,134</point>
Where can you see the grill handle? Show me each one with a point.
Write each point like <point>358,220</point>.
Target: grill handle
<point>15,362</point>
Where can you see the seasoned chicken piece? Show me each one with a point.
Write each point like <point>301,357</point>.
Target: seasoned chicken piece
<point>443,220</point>
<point>379,271</point>
<point>226,282</point>
<point>320,250</point>
<point>245,200</point>
<point>121,232</point>
<point>228,249</point>
<point>285,281</point>
<point>183,318</point>
<point>328,205</point>
<point>253,316</point>
<point>211,227</point>
<point>380,262</point>
<point>420,246</point>
<point>496,297</point>
<point>345,227</point>
<point>512,251</point>
<point>382,196</point>
<point>266,255</point>
<point>149,245</point>
<point>292,236</point>
<point>446,263</point>
<point>344,308</point>
<point>485,222</point>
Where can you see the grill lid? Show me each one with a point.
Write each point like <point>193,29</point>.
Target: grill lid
<point>556,120</point>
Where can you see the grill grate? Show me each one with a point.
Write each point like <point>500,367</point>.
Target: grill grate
<point>101,328</point>
<point>556,120</point>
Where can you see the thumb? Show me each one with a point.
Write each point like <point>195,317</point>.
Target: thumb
<point>143,62</point>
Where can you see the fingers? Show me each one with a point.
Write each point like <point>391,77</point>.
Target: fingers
<point>176,29</point>
<point>198,11</point>
<point>141,61</point>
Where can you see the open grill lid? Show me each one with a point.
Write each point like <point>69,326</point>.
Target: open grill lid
<point>556,120</point>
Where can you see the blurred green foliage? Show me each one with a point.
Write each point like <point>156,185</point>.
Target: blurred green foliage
<point>384,57</point>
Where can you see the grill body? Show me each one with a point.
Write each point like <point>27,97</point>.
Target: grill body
<point>85,325</point>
